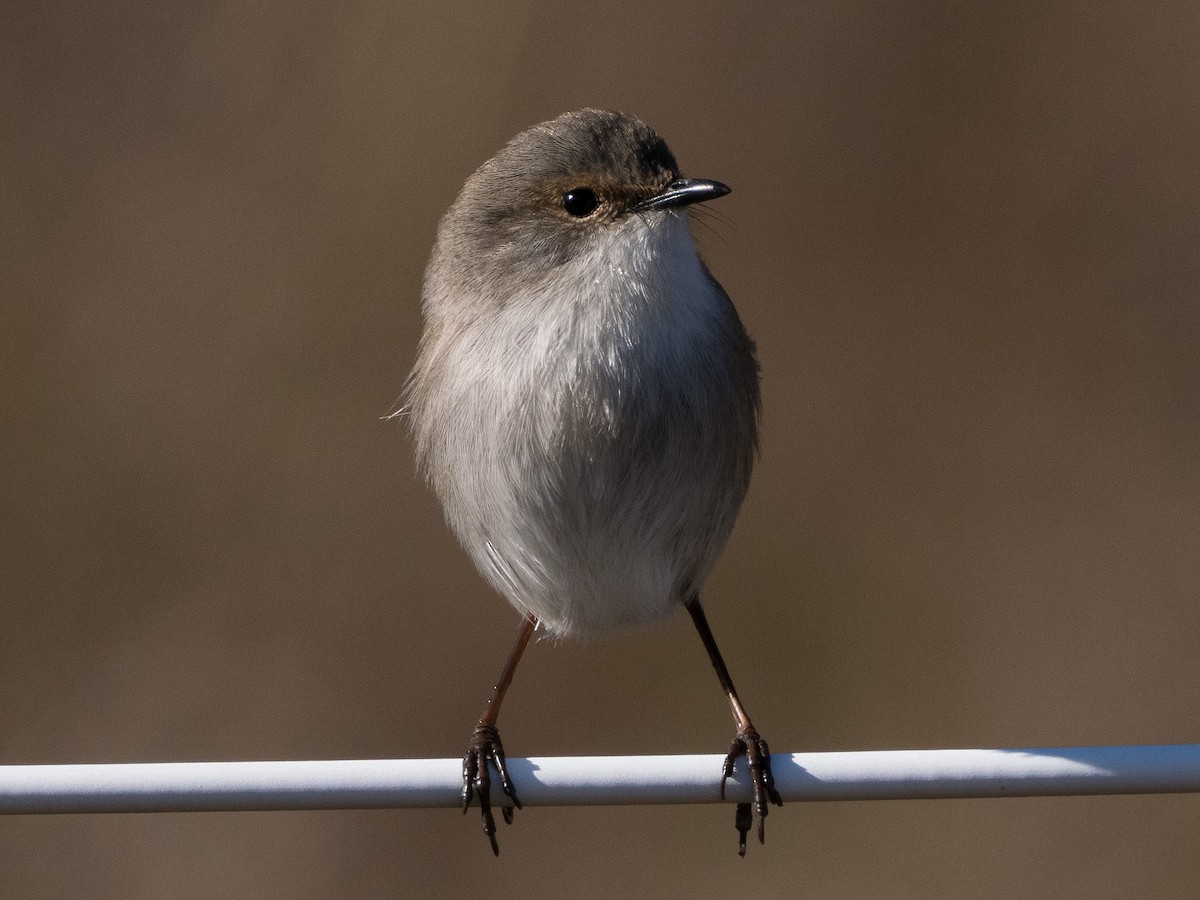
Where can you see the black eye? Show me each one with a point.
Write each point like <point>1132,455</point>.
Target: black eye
<point>580,202</point>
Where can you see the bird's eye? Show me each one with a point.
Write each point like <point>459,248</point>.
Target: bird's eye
<point>580,202</point>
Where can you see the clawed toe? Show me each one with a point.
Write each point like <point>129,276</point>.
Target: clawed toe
<point>485,747</point>
<point>747,743</point>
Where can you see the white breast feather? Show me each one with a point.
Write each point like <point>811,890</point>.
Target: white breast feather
<point>595,481</point>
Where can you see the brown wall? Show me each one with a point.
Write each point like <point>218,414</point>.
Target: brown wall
<point>967,238</point>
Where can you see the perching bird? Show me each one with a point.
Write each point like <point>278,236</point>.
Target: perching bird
<point>585,401</point>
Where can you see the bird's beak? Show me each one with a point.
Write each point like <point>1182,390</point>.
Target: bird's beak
<point>682,192</point>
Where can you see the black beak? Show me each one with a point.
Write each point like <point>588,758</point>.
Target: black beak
<point>682,192</point>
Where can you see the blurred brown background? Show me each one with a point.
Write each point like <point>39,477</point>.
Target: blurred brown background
<point>967,238</point>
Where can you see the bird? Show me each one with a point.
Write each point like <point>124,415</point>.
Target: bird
<point>585,404</point>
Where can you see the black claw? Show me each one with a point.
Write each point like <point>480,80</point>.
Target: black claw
<point>747,743</point>
<point>742,820</point>
<point>736,748</point>
<point>485,747</point>
<point>470,766</point>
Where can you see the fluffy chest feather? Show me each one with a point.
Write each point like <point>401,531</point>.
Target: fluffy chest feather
<point>592,440</point>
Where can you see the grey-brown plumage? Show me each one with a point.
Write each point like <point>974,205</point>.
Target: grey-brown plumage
<point>585,399</point>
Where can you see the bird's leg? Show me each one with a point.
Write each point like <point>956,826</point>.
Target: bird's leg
<point>745,743</point>
<point>485,745</point>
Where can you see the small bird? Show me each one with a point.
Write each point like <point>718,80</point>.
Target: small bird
<point>585,403</point>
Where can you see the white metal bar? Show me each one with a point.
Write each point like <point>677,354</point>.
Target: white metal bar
<point>597,780</point>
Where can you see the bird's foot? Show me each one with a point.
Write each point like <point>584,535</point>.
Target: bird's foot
<point>747,743</point>
<point>485,746</point>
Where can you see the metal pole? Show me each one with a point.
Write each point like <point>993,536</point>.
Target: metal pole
<point>598,780</point>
